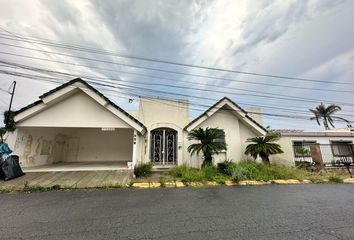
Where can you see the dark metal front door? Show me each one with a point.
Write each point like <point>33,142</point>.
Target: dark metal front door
<point>163,144</point>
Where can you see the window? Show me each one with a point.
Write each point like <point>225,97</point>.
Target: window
<point>220,139</point>
<point>340,149</point>
<point>302,148</point>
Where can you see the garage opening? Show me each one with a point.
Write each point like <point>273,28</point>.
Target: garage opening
<point>77,148</point>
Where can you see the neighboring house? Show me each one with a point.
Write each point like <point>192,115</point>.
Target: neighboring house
<point>76,123</point>
<point>334,146</point>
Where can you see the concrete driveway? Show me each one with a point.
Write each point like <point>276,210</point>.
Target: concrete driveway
<point>70,179</point>
<point>250,212</point>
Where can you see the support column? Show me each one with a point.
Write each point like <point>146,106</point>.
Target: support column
<point>135,149</point>
<point>316,155</point>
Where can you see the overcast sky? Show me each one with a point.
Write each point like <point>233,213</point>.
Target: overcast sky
<point>301,39</point>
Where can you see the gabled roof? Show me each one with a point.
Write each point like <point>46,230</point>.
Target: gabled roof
<point>79,80</point>
<point>231,103</point>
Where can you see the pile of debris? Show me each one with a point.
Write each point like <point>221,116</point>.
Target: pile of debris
<point>9,164</point>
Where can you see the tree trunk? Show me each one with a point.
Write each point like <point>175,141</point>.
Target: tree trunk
<point>325,123</point>
<point>208,159</point>
<point>265,158</point>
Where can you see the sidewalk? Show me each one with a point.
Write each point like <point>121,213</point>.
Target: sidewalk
<point>71,179</point>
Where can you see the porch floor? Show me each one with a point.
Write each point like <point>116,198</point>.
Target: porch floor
<point>78,166</point>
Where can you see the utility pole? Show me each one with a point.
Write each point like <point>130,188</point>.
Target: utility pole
<point>12,95</point>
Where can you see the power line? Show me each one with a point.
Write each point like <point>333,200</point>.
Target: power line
<point>3,90</point>
<point>132,65</point>
<point>283,97</point>
<point>151,90</point>
<point>266,114</point>
<point>121,55</point>
<point>132,87</point>
<point>172,86</point>
<point>182,81</point>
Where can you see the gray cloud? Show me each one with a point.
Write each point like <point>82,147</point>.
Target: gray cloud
<point>310,39</point>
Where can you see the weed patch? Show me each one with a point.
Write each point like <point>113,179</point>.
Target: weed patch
<point>335,179</point>
<point>143,170</point>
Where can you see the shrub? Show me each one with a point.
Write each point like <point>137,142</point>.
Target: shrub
<point>251,170</point>
<point>178,171</point>
<point>226,167</point>
<point>240,174</point>
<point>335,179</point>
<point>143,170</point>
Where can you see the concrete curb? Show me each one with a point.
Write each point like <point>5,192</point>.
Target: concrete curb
<point>177,184</point>
<point>348,180</point>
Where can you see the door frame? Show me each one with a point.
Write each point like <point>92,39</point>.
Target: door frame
<point>163,147</point>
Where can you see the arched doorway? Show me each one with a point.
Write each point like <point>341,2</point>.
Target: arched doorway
<point>163,146</point>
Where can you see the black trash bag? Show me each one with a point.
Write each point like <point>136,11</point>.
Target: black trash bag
<point>10,168</point>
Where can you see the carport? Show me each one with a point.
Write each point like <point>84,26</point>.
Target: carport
<point>75,128</point>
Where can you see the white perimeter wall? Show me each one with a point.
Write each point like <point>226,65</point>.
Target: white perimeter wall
<point>39,146</point>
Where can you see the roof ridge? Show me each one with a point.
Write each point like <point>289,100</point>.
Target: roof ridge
<point>75,80</point>
<point>232,102</point>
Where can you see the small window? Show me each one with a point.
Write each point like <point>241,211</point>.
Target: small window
<point>302,148</point>
<point>340,149</point>
<point>220,139</point>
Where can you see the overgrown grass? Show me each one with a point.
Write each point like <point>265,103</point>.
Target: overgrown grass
<point>251,170</point>
<point>247,170</point>
<point>207,173</point>
<point>28,188</point>
<point>335,179</point>
<point>143,170</point>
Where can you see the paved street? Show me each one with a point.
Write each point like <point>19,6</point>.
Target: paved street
<point>249,212</point>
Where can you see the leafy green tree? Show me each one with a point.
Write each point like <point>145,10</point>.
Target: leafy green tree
<point>208,143</point>
<point>263,147</point>
<point>10,124</point>
<point>326,114</point>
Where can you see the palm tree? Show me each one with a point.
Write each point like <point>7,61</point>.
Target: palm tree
<point>263,147</point>
<point>208,144</point>
<point>326,113</point>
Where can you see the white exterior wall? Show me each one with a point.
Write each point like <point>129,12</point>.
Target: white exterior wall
<point>77,110</point>
<point>286,143</point>
<point>236,134</point>
<point>160,113</point>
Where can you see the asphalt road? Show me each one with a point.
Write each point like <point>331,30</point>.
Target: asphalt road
<point>253,212</point>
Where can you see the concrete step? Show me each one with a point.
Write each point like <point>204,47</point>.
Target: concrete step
<point>161,169</point>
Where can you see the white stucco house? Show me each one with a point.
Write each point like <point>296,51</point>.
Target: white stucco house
<point>75,123</point>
